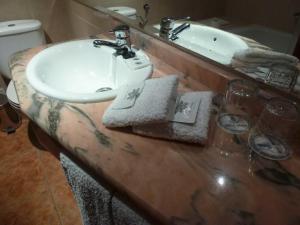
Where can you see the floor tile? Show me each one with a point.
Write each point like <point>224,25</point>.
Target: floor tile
<point>61,192</point>
<point>33,188</point>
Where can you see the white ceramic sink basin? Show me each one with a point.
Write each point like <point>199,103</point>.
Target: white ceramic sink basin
<point>76,71</point>
<point>210,42</point>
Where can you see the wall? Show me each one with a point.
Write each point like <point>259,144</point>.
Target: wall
<point>71,20</point>
<point>65,19</point>
<point>61,19</point>
<point>196,9</point>
<point>137,4</point>
<point>277,14</point>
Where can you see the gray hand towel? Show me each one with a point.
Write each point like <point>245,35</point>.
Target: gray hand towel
<point>93,200</point>
<point>97,205</point>
<point>194,133</point>
<point>122,214</point>
<point>152,104</point>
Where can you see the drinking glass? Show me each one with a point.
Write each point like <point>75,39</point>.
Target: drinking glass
<point>234,118</point>
<point>274,134</point>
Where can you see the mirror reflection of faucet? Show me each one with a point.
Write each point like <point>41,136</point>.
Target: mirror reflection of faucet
<point>178,30</point>
<point>167,30</point>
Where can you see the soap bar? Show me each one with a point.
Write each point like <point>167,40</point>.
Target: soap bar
<point>186,109</point>
<point>129,95</point>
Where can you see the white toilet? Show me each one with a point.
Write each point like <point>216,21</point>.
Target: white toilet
<point>16,36</point>
<point>125,11</point>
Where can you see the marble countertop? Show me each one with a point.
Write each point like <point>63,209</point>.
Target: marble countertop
<point>174,182</point>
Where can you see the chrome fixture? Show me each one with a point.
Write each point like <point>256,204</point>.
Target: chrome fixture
<point>178,30</point>
<point>166,27</point>
<point>144,20</point>
<point>122,43</point>
<point>122,35</point>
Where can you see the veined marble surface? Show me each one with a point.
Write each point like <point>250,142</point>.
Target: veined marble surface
<point>176,183</point>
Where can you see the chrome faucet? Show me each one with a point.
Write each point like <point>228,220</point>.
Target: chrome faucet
<point>144,19</point>
<point>122,34</point>
<point>166,27</point>
<point>122,44</point>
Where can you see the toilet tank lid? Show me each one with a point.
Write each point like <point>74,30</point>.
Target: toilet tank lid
<point>18,26</point>
<point>123,10</point>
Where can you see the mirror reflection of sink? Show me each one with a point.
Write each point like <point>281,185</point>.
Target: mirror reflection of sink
<point>76,71</point>
<point>210,42</point>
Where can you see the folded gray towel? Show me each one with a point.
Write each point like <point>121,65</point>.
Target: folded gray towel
<point>195,133</point>
<point>275,68</point>
<point>93,200</point>
<point>258,56</point>
<point>277,74</point>
<point>152,103</point>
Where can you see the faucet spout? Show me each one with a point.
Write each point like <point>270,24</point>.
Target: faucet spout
<point>120,49</point>
<point>178,30</point>
<point>98,43</point>
<point>122,44</point>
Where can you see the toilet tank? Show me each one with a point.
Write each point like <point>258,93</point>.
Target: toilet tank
<point>16,36</point>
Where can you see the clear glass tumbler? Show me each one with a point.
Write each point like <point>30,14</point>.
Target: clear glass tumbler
<point>235,116</point>
<point>238,108</point>
<point>274,134</point>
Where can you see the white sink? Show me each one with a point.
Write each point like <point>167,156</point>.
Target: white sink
<point>76,71</point>
<point>210,42</point>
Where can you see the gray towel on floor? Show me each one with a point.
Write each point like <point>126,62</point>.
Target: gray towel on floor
<point>194,133</point>
<point>152,103</point>
<point>93,200</point>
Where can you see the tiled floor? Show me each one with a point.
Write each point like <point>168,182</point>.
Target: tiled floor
<point>33,189</point>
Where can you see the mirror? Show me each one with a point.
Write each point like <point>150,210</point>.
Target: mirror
<point>254,37</point>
